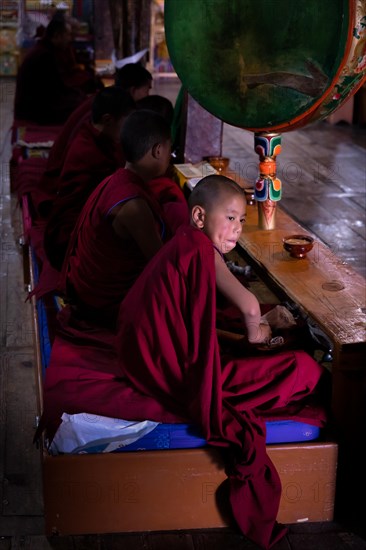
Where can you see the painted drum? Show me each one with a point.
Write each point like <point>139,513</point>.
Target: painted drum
<point>268,65</point>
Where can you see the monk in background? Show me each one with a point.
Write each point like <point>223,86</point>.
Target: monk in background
<point>165,188</point>
<point>44,91</point>
<point>122,225</point>
<point>134,79</point>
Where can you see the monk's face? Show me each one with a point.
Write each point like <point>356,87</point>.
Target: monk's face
<point>223,222</point>
<point>141,91</point>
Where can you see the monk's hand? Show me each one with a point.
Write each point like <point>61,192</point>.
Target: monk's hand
<point>263,334</point>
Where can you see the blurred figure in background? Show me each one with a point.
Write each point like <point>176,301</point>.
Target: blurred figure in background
<point>134,79</point>
<point>50,84</point>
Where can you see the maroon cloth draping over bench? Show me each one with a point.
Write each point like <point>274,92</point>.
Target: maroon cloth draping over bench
<point>28,176</point>
<point>84,377</point>
<point>31,133</point>
<point>169,368</point>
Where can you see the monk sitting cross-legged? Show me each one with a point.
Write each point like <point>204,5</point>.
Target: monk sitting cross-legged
<point>168,350</point>
<point>121,226</point>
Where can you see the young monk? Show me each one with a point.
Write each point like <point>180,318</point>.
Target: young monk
<point>168,350</point>
<point>134,79</point>
<point>94,153</point>
<point>164,188</point>
<point>159,104</point>
<point>121,226</point>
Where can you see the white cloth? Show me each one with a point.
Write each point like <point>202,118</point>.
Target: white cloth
<point>80,433</point>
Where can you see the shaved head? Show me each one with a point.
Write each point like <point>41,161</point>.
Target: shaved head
<point>210,190</point>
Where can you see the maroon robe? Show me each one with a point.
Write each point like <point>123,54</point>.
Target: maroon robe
<point>168,350</point>
<point>47,188</point>
<point>172,200</point>
<point>100,267</point>
<point>92,156</point>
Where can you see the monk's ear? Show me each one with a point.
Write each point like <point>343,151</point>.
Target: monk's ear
<point>156,150</point>
<point>198,216</point>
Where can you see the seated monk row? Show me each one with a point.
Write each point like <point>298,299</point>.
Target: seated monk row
<point>92,154</point>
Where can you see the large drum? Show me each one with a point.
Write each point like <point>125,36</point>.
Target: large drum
<point>268,65</point>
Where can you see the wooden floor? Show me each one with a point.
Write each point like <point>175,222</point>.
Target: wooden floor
<point>323,172</point>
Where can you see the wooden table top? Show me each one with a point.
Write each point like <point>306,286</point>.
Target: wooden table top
<point>325,287</point>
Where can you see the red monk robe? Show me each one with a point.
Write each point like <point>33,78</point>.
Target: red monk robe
<point>100,268</point>
<point>172,200</point>
<point>91,158</point>
<point>47,187</point>
<point>168,350</point>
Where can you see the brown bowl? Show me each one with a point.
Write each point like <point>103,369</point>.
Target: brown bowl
<point>219,163</point>
<point>298,245</point>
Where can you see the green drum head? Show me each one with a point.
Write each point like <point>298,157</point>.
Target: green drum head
<point>257,64</point>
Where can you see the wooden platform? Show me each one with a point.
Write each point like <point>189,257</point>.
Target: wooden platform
<point>175,490</point>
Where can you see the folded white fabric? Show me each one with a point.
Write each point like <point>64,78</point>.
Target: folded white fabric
<point>80,433</point>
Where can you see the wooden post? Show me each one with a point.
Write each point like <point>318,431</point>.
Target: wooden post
<point>268,188</point>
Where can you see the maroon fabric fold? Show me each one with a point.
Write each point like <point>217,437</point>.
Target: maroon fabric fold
<point>84,376</point>
<point>49,182</point>
<point>172,200</point>
<point>28,175</point>
<point>92,157</point>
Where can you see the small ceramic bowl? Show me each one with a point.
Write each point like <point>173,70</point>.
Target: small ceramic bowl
<point>298,245</point>
<point>219,163</point>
